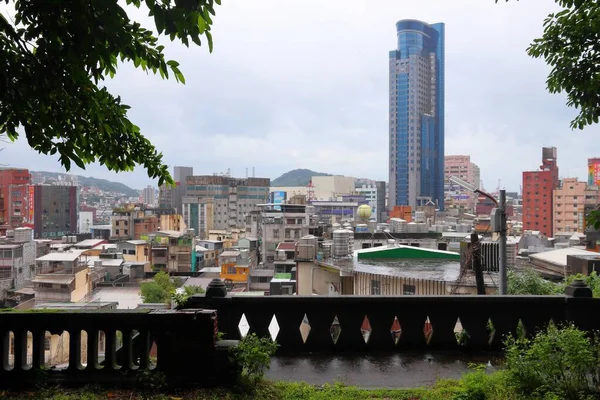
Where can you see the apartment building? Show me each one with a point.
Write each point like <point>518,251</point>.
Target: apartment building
<point>15,199</point>
<point>538,190</point>
<point>461,167</point>
<point>572,201</point>
<point>55,210</point>
<point>276,224</point>
<point>231,200</point>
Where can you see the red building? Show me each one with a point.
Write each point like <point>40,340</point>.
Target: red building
<point>15,199</point>
<point>538,187</point>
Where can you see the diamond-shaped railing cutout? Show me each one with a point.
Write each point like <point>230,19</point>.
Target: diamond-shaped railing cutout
<point>428,330</point>
<point>521,332</point>
<point>365,329</point>
<point>274,328</point>
<point>491,331</point>
<point>304,328</point>
<point>460,333</point>
<point>396,330</point>
<point>335,330</point>
<point>243,326</point>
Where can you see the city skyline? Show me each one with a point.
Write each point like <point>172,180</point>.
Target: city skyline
<point>497,108</point>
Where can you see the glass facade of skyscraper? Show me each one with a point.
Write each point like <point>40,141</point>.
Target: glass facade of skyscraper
<point>416,143</point>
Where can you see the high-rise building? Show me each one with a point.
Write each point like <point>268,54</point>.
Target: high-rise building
<point>147,196</point>
<point>55,211</point>
<point>462,168</point>
<point>416,156</point>
<point>170,197</point>
<point>538,187</point>
<point>221,202</point>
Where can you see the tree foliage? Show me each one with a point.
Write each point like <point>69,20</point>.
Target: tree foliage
<point>54,56</point>
<point>570,45</point>
<point>529,282</point>
<point>158,290</point>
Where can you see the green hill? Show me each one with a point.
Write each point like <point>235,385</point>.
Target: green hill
<point>102,184</point>
<point>296,177</point>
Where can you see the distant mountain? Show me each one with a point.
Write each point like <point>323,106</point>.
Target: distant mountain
<point>102,184</point>
<point>296,177</point>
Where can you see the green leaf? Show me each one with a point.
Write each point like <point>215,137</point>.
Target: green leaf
<point>201,24</point>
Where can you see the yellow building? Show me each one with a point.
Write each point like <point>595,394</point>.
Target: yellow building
<point>172,222</point>
<point>232,267</point>
<point>228,237</point>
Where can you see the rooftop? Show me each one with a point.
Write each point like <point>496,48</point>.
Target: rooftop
<point>136,242</point>
<point>230,253</point>
<point>286,246</point>
<point>60,256</point>
<point>59,279</point>
<point>559,257</point>
<point>89,243</point>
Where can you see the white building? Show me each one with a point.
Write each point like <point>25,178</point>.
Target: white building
<point>85,221</point>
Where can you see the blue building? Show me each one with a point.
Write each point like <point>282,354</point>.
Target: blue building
<point>416,156</point>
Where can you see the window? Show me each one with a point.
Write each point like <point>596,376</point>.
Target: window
<point>375,287</point>
<point>46,344</point>
<point>117,231</point>
<point>408,289</point>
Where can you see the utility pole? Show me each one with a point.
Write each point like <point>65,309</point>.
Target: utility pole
<point>502,243</point>
<point>476,257</point>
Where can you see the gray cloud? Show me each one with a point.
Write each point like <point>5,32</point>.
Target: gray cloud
<point>303,84</point>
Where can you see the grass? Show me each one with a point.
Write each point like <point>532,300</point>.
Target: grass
<point>473,387</point>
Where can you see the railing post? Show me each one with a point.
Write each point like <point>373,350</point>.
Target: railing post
<point>581,308</point>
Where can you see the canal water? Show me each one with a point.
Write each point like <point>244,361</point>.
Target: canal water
<point>398,370</point>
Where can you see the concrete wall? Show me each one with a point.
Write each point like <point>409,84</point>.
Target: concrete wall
<point>320,280</point>
<point>81,287</point>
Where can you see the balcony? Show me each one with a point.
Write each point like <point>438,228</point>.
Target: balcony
<point>308,326</point>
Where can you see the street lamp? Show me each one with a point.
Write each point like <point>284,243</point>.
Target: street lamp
<point>497,224</point>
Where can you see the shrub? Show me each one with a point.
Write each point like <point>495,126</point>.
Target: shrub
<point>253,355</point>
<point>558,361</point>
<point>530,282</point>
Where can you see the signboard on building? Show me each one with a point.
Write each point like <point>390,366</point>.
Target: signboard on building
<point>30,204</point>
<point>278,198</point>
<point>594,171</point>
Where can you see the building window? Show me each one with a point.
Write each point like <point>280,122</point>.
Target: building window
<point>46,344</point>
<point>375,287</point>
<point>408,289</point>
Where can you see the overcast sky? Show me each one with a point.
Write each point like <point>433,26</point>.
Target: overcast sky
<point>304,84</point>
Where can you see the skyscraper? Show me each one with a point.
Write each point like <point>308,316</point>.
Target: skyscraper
<point>416,156</point>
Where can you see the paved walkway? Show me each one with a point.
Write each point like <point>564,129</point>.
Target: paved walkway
<point>399,370</point>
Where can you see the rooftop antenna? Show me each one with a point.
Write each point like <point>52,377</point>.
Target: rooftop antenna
<point>246,172</point>
<point>253,173</point>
